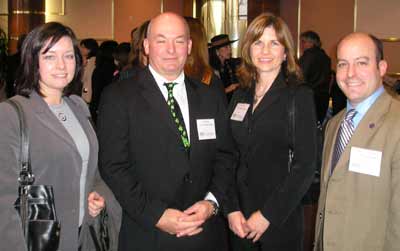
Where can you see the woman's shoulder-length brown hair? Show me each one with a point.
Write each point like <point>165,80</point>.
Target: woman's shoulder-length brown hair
<point>197,65</point>
<point>28,72</point>
<point>247,70</point>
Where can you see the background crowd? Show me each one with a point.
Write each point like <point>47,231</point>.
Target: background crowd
<point>186,148</point>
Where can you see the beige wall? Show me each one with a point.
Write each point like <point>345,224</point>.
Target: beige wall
<point>89,18</point>
<point>391,53</point>
<point>380,18</point>
<point>132,13</point>
<point>109,19</point>
<point>3,17</point>
<point>334,19</point>
<point>289,13</point>
<point>330,19</point>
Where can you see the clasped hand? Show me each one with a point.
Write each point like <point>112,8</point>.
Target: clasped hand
<point>252,228</point>
<point>188,222</point>
<point>96,203</point>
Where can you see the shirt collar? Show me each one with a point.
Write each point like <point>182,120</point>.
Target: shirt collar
<point>161,80</point>
<point>363,107</point>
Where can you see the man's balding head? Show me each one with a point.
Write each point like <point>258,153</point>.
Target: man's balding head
<point>360,66</point>
<point>168,44</point>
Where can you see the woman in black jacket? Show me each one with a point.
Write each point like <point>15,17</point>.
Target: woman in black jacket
<point>266,206</point>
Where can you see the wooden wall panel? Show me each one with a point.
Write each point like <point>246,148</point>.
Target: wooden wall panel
<point>256,7</point>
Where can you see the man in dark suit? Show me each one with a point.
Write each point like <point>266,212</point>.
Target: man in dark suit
<point>165,149</point>
<point>316,67</point>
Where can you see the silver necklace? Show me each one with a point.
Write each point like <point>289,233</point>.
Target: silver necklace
<point>257,98</point>
<point>62,117</point>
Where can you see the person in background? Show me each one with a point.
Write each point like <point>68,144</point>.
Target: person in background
<point>266,211</point>
<point>338,98</point>
<point>121,59</point>
<point>316,68</point>
<point>359,204</point>
<point>165,148</point>
<point>103,73</point>
<point>88,49</point>
<point>137,57</point>
<point>13,63</point>
<point>197,64</point>
<point>225,67</point>
<point>63,144</point>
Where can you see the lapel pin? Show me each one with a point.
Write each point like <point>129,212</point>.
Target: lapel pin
<point>372,125</point>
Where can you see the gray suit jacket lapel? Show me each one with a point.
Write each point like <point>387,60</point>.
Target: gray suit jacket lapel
<point>47,118</point>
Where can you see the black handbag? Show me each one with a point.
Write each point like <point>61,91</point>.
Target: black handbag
<point>313,192</point>
<point>100,233</point>
<point>35,203</point>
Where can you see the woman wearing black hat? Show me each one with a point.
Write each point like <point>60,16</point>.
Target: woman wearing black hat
<point>223,64</point>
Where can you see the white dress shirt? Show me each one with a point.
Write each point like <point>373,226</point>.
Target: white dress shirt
<point>179,92</point>
<point>180,96</point>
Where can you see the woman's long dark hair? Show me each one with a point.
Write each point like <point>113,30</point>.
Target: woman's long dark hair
<point>28,73</point>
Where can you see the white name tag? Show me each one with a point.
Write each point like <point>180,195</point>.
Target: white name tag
<point>240,111</point>
<point>206,129</point>
<point>365,161</point>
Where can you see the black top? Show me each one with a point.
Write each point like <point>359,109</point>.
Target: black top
<point>263,180</point>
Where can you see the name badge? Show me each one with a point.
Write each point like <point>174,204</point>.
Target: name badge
<point>365,161</point>
<point>206,129</point>
<point>240,112</point>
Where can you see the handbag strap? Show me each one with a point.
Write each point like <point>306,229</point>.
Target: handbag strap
<point>292,126</point>
<point>26,176</point>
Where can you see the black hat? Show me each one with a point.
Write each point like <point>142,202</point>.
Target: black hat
<point>220,41</point>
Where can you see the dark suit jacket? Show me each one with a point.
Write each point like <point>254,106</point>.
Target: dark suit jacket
<point>263,179</point>
<point>143,161</point>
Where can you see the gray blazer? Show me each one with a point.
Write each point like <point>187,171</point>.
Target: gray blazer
<point>55,161</point>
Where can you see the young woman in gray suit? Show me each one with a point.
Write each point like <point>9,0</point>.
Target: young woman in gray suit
<point>63,144</point>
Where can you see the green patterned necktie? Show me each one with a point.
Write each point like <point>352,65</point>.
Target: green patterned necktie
<point>177,115</point>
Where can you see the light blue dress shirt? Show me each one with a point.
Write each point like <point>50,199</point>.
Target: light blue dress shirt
<point>363,107</point>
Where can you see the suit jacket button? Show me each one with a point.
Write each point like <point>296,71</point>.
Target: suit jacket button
<point>320,215</point>
<point>187,179</point>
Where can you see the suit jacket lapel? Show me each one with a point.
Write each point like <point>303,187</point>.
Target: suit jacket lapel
<point>193,103</point>
<point>46,116</point>
<point>271,96</point>
<point>330,139</point>
<point>156,100</point>
<point>367,127</point>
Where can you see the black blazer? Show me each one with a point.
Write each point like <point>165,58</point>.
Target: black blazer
<point>143,161</point>
<point>263,180</point>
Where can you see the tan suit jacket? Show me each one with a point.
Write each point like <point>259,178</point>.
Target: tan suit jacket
<point>359,211</point>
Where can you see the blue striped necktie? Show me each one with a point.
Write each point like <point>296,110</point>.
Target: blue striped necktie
<point>345,132</point>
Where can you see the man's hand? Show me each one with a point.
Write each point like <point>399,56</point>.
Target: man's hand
<point>96,203</point>
<point>237,223</point>
<point>170,222</point>
<point>200,211</point>
<point>257,225</point>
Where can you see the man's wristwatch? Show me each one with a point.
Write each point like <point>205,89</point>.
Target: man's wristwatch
<point>215,207</point>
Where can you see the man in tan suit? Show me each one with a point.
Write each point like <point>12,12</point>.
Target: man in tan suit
<point>359,205</point>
